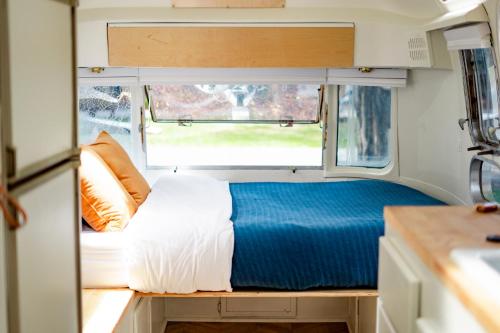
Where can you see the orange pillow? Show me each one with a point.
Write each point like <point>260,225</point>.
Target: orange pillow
<point>106,205</point>
<point>119,162</point>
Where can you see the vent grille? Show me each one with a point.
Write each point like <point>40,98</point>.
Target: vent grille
<point>418,51</point>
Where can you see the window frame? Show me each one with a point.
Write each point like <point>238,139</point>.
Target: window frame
<point>132,82</point>
<point>476,176</point>
<point>332,170</point>
<point>322,100</point>
<point>327,121</point>
<point>471,90</point>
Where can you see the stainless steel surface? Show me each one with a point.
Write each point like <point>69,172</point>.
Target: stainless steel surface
<point>476,177</point>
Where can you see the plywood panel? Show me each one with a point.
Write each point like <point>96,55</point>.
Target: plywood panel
<point>231,47</point>
<point>264,294</point>
<point>228,3</point>
<point>104,310</point>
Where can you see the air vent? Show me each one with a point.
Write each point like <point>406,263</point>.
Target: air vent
<point>418,50</point>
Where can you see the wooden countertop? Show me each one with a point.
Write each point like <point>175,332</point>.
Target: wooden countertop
<point>433,232</point>
<point>104,308</point>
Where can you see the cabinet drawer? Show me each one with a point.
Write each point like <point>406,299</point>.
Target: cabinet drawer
<point>259,307</point>
<point>399,288</point>
<point>177,309</point>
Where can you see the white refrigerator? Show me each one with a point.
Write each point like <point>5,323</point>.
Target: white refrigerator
<point>39,267</point>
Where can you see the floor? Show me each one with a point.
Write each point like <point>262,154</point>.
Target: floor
<point>256,327</point>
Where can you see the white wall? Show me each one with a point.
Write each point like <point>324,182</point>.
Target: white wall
<point>432,148</point>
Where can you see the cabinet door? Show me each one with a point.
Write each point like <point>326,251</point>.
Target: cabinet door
<point>41,84</point>
<point>398,288</point>
<point>46,255</point>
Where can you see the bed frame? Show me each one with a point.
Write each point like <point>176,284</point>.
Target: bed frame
<point>355,307</point>
<point>151,312</point>
<point>269,294</point>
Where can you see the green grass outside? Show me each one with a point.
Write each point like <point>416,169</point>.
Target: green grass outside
<point>229,135</point>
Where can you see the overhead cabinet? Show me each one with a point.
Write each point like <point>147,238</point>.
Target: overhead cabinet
<point>225,46</point>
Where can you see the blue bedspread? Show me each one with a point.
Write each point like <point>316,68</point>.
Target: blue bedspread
<point>298,236</point>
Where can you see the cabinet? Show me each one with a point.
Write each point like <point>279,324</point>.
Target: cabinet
<point>412,298</point>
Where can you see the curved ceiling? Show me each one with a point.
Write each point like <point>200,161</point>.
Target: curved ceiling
<point>411,8</point>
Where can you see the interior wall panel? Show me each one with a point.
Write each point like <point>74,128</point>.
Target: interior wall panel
<point>432,148</point>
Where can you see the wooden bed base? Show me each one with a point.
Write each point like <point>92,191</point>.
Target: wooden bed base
<point>268,294</point>
<point>356,307</point>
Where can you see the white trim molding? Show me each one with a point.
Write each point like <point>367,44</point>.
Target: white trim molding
<point>371,77</point>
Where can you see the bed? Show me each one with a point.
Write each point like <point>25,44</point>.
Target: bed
<point>103,261</point>
<point>297,236</point>
<point>287,236</point>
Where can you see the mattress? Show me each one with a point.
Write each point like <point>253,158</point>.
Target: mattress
<point>102,259</point>
<point>298,236</point>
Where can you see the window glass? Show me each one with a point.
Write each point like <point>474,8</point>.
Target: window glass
<point>486,82</point>
<point>364,126</point>
<point>234,125</point>
<point>105,108</point>
<point>209,102</point>
<point>490,182</point>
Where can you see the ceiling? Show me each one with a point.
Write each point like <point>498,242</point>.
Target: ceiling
<point>411,8</point>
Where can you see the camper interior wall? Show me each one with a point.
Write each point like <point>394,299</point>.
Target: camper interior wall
<point>432,149</point>
<point>433,153</point>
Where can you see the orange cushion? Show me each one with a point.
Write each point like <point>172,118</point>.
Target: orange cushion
<point>119,162</point>
<point>106,205</point>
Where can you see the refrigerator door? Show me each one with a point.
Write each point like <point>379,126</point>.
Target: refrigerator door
<point>40,77</point>
<point>3,279</point>
<point>46,254</point>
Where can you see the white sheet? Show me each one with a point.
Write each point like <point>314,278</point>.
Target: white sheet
<point>103,262</point>
<point>181,239</point>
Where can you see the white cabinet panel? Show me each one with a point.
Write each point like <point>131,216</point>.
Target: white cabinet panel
<point>398,288</point>
<point>281,307</point>
<point>47,259</point>
<point>142,316</point>
<point>41,79</point>
<point>384,324</point>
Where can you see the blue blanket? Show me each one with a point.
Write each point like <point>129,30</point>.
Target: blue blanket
<point>297,236</point>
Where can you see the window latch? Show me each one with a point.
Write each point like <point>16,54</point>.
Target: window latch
<point>486,152</point>
<point>286,123</point>
<point>185,122</point>
<point>475,148</point>
<point>461,122</point>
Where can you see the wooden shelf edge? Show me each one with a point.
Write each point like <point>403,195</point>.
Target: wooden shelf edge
<point>269,294</point>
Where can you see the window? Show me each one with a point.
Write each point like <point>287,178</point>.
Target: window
<point>234,125</point>
<point>105,108</point>
<point>485,179</point>
<point>236,103</point>
<point>482,92</point>
<point>363,126</point>
<point>490,182</point>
